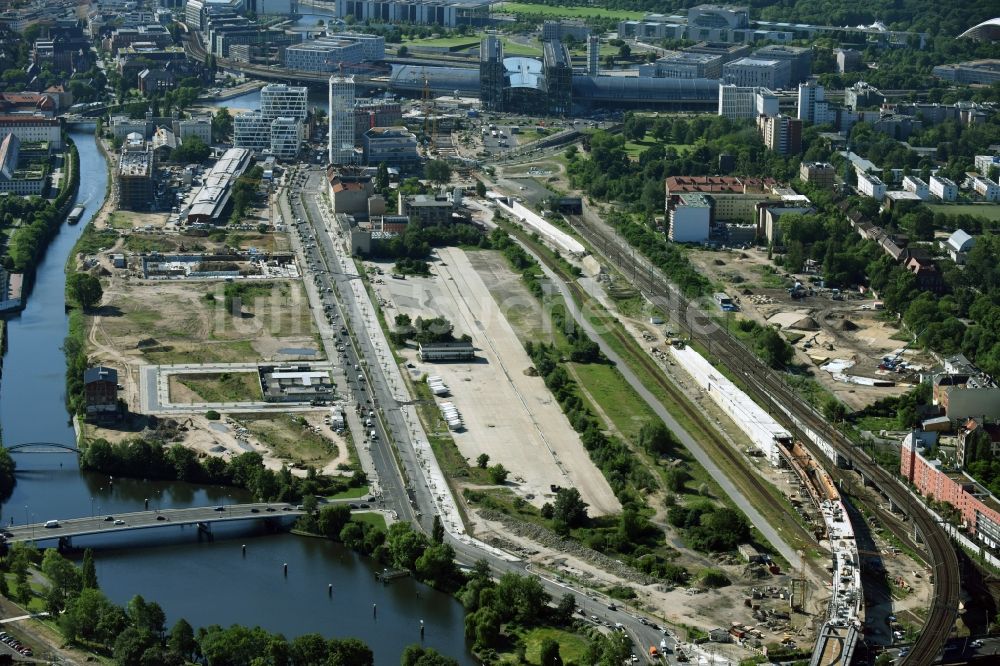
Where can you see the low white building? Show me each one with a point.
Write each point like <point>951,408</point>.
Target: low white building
<point>943,188</point>
<point>871,186</point>
<point>958,245</point>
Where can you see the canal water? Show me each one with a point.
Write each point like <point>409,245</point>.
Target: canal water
<point>206,582</point>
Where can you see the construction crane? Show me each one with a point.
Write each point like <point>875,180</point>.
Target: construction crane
<point>892,363</point>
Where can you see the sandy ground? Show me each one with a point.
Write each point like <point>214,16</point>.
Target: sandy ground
<point>508,415</point>
<point>867,341</point>
<point>674,606</point>
<point>223,439</point>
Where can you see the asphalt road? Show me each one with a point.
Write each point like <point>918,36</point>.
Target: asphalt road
<point>106,524</point>
<point>412,500</point>
<point>323,268</point>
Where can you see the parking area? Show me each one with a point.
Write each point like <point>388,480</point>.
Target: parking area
<point>508,412</point>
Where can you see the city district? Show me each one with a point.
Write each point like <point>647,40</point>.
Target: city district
<point>650,332</point>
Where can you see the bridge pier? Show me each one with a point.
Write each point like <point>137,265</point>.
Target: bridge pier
<point>205,532</point>
<point>65,544</point>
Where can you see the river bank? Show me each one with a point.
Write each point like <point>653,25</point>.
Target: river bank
<point>206,582</point>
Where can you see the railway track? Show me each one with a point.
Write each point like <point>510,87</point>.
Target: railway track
<point>768,387</point>
<point>702,431</point>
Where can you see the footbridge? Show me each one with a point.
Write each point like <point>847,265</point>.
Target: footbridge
<point>43,447</point>
<point>203,517</point>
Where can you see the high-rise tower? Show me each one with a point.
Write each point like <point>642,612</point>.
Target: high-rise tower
<point>341,119</point>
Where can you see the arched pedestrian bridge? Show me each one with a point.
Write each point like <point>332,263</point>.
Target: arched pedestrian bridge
<point>42,447</point>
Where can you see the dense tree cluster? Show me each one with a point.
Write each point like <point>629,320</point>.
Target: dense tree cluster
<point>767,343</point>
<point>34,221</point>
<point>244,193</point>
<point>147,459</point>
<point>84,289</point>
<point>7,478</point>
<point>495,607</point>
<point>423,331</point>
<point>192,151</point>
<point>418,238</point>
<point>683,146</point>
<point>708,527</point>
<point>666,256</point>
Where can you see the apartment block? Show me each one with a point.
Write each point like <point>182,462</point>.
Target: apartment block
<point>871,186</point>
<point>943,188</point>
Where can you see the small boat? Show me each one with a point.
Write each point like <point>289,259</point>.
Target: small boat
<point>76,214</point>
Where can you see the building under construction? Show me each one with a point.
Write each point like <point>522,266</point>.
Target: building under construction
<point>135,174</point>
<point>525,85</point>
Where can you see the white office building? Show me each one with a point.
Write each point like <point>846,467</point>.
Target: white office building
<point>746,102</point>
<point>943,188</point>
<point>812,104</point>
<point>690,218</point>
<point>871,186</point>
<point>593,55</point>
<point>285,137</point>
<point>251,130</point>
<point>278,100</point>
<point>324,55</point>
<point>341,117</point>
<point>753,72</point>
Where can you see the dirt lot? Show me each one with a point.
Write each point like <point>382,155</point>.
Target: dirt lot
<point>282,439</point>
<point>175,322</point>
<point>822,329</point>
<point>508,415</point>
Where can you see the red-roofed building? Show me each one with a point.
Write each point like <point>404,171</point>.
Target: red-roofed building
<point>349,191</point>
<point>734,199</point>
<point>28,103</point>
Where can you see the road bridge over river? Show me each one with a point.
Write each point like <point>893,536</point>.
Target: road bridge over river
<point>203,517</point>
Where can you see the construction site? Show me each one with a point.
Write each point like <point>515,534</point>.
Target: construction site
<point>858,354</point>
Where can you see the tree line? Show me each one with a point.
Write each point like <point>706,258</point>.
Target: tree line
<point>142,458</point>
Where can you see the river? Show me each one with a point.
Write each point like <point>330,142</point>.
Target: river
<point>206,582</point>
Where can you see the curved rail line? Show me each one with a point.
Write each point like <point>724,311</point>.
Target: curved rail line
<point>767,386</point>
<point>703,432</point>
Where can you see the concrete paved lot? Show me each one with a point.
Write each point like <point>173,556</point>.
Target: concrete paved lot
<point>508,415</point>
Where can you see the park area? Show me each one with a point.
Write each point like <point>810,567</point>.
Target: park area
<point>986,211</point>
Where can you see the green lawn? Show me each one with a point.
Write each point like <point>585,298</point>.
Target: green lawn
<point>224,387</point>
<point>352,493</point>
<point>572,647</point>
<point>443,42</point>
<point>567,12</point>
<point>512,48</point>
<point>636,148</point>
<point>987,211</point>
<point>626,410</point>
<point>370,517</point>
